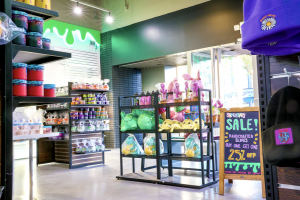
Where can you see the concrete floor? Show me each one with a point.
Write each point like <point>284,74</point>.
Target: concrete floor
<point>57,182</point>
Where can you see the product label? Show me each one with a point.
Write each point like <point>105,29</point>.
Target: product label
<point>284,136</point>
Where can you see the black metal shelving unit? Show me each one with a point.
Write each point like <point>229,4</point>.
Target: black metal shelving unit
<point>170,179</point>
<point>16,53</point>
<point>83,160</point>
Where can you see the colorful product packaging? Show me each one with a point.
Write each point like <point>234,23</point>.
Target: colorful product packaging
<point>35,73</point>
<point>43,4</point>
<point>35,88</point>
<point>19,87</point>
<point>34,39</point>
<point>19,71</point>
<point>49,90</point>
<point>35,24</point>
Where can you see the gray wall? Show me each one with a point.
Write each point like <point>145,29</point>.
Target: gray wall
<point>152,76</point>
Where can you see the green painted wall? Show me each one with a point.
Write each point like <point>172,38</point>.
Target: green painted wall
<point>152,76</point>
<point>62,27</point>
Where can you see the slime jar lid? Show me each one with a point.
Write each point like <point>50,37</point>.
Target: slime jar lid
<point>46,40</point>
<point>36,83</point>
<point>16,12</point>
<point>49,86</point>
<point>19,81</point>
<point>35,67</point>
<point>19,65</point>
<point>36,19</point>
<point>34,34</point>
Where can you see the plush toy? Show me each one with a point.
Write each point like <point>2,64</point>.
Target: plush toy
<point>187,124</point>
<point>197,124</point>
<point>179,114</point>
<point>129,121</point>
<point>150,145</point>
<point>192,146</point>
<point>131,146</point>
<point>196,83</point>
<point>171,90</point>
<point>146,119</point>
<point>176,126</point>
<point>166,125</point>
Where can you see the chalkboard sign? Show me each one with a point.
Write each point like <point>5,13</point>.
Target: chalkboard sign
<point>242,143</point>
<point>240,146</point>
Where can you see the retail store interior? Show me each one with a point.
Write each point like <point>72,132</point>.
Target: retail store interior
<point>160,99</point>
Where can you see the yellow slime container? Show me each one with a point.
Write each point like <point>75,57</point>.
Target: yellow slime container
<point>30,2</point>
<point>43,4</point>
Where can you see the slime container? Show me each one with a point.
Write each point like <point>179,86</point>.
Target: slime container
<point>43,4</point>
<point>35,73</point>
<point>30,2</point>
<point>19,71</point>
<point>34,39</point>
<point>35,24</point>
<point>20,19</point>
<point>20,39</point>
<point>46,43</point>
<point>35,88</point>
<point>19,88</point>
<point>49,90</point>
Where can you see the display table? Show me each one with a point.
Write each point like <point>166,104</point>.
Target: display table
<point>31,138</point>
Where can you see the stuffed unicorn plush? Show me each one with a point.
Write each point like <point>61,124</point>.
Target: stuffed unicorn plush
<point>196,83</point>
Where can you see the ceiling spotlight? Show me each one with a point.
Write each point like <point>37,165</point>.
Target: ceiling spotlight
<point>109,19</point>
<point>77,10</point>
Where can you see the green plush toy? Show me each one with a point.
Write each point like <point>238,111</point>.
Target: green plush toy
<point>129,122</point>
<point>146,119</point>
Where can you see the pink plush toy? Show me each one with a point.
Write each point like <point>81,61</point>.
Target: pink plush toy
<point>196,83</point>
<point>170,91</point>
<point>179,116</point>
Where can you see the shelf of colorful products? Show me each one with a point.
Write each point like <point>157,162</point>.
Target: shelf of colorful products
<point>57,120</point>
<point>29,55</point>
<point>170,179</point>
<point>34,10</point>
<point>91,119</point>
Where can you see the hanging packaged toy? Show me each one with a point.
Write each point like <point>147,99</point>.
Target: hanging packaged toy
<point>192,146</point>
<point>8,30</point>
<point>84,146</point>
<point>150,145</point>
<point>92,146</point>
<point>131,146</point>
<point>73,127</point>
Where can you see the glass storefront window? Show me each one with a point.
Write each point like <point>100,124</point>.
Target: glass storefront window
<point>236,81</point>
<point>202,61</point>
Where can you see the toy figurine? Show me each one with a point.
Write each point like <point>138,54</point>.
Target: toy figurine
<point>177,93</point>
<point>196,83</point>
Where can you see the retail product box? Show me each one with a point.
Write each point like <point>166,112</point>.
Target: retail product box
<point>191,116</point>
<point>194,108</point>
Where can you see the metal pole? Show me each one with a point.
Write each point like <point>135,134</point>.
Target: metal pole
<point>120,137</point>
<point>201,139</point>
<point>30,170</point>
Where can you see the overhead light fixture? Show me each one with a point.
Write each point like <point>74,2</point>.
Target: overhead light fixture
<point>77,10</point>
<point>90,5</point>
<point>109,19</point>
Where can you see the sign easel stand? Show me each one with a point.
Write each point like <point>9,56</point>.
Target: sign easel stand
<point>231,177</point>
